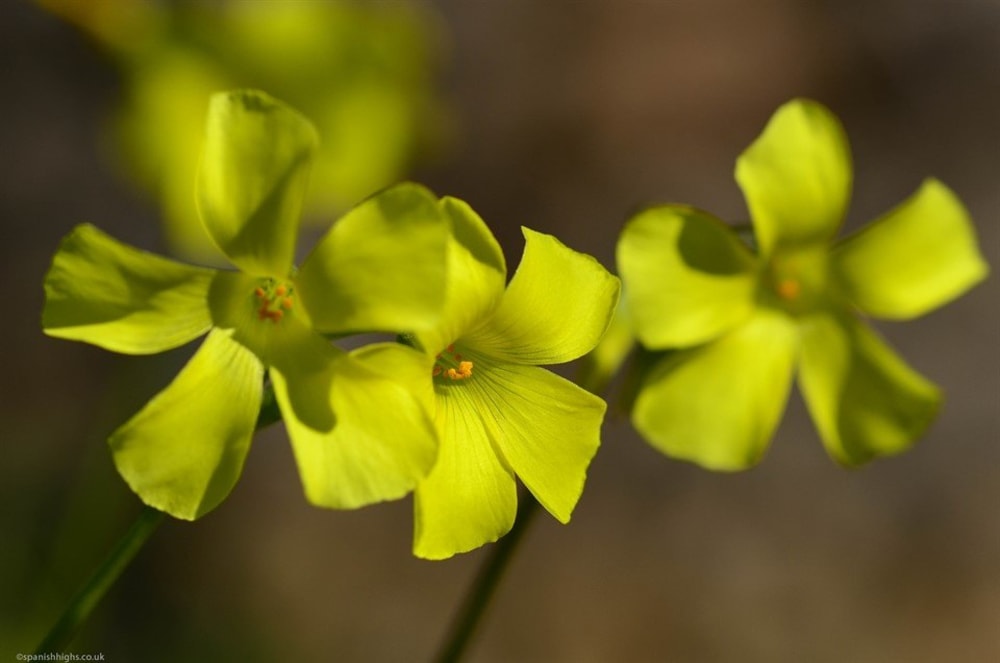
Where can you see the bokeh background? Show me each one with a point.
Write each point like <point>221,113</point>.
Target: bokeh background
<point>563,116</point>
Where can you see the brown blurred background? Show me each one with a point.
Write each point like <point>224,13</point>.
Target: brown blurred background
<point>566,116</point>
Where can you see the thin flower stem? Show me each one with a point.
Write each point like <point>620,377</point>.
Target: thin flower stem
<point>485,584</point>
<point>107,573</point>
<point>84,602</point>
<point>594,379</point>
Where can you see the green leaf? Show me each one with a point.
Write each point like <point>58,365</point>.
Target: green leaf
<point>381,267</point>
<point>865,400</point>
<point>687,276</point>
<point>556,308</point>
<point>476,274</point>
<point>101,291</point>
<point>718,404</point>
<point>796,177</point>
<point>184,451</point>
<point>470,497</point>
<point>913,259</point>
<point>381,439</point>
<point>253,177</point>
<point>546,428</point>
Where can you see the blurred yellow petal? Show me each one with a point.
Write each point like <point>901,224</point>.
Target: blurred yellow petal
<point>913,259</point>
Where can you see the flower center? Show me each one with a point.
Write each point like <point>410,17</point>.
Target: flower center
<point>449,365</point>
<point>274,299</point>
<point>795,282</point>
<point>788,289</point>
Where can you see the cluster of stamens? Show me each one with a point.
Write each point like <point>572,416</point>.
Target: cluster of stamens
<point>450,364</point>
<point>273,300</point>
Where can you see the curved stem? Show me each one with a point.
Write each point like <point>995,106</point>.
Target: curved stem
<point>84,602</point>
<point>485,584</point>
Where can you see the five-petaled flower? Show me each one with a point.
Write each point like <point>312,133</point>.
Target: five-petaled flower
<point>498,413</point>
<point>740,322</point>
<point>358,433</point>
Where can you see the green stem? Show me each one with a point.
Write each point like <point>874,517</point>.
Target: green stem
<point>595,375</point>
<point>485,584</point>
<point>90,594</point>
<point>84,602</point>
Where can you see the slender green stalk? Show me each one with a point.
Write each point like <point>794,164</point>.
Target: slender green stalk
<point>484,586</point>
<point>596,372</point>
<point>84,602</point>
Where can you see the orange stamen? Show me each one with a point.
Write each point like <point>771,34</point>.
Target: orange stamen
<point>449,356</point>
<point>274,300</point>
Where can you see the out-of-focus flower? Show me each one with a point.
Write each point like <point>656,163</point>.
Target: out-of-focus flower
<point>363,72</point>
<point>743,321</point>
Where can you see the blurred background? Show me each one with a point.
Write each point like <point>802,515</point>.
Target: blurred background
<point>563,116</point>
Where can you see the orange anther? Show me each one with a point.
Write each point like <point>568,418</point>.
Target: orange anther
<point>281,290</point>
<point>286,303</point>
<point>452,373</point>
<point>259,292</point>
<point>265,313</point>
